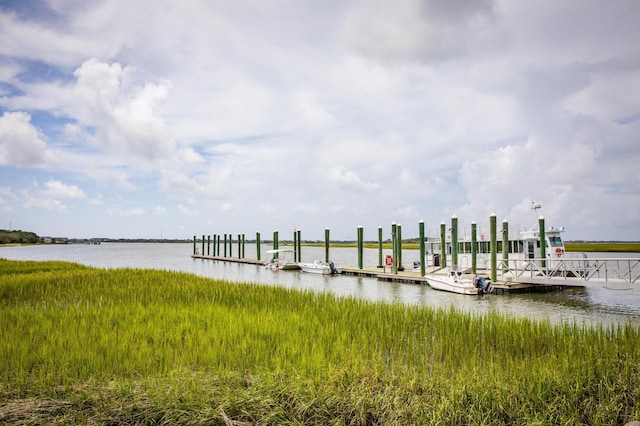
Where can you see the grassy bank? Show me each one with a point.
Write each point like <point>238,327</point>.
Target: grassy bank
<point>84,345</point>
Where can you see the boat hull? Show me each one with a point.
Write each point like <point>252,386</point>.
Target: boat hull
<point>451,284</point>
<point>316,267</point>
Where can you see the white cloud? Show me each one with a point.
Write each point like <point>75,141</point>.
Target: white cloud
<point>186,211</point>
<point>123,114</point>
<point>21,144</point>
<point>349,180</point>
<point>57,189</point>
<point>119,211</point>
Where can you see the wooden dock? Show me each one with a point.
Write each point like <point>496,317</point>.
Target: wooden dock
<point>407,276</point>
<point>230,259</point>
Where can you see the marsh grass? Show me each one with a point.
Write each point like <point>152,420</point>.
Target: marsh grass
<point>85,345</point>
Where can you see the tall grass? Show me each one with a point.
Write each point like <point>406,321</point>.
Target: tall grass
<point>90,345</point>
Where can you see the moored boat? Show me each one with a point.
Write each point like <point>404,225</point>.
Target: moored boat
<point>319,267</point>
<point>456,282</point>
<point>281,260</point>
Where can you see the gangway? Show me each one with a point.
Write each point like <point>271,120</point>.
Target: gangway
<point>615,273</point>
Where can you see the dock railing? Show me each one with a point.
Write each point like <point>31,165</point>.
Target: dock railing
<point>606,272</point>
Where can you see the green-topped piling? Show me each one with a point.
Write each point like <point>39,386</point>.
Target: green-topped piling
<point>195,250</point>
<point>422,247</point>
<point>203,241</point>
<point>394,247</point>
<point>443,245</point>
<point>360,246</point>
<point>275,243</point>
<point>299,245</point>
<point>505,246</point>
<point>295,245</point>
<point>208,245</point>
<point>543,242</point>
<point>380,264</point>
<point>326,244</point>
<point>494,247</point>
<point>225,245</point>
<point>474,248</point>
<point>257,245</point>
<point>399,249</point>
<point>454,243</point>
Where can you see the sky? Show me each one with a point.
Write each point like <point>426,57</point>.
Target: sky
<point>166,119</point>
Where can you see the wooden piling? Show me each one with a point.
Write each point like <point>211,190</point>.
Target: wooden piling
<point>360,246</point>
<point>454,243</point>
<point>474,248</point>
<point>494,247</point>
<point>422,247</point>
<point>326,244</point>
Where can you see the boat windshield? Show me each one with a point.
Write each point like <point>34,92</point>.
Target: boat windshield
<point>555,241</point>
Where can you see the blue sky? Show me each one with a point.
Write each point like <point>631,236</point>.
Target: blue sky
<point>135,119</point>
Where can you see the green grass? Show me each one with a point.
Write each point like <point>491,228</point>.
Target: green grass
<point>85,345</point>
<point>604,247</point>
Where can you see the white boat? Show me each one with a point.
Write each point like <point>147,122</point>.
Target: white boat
<point>456,282</point>
<point>523,248</point>
<point>319,267</point>
<point>281,260</point>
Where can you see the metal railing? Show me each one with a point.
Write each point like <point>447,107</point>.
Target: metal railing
<point>592,271</point>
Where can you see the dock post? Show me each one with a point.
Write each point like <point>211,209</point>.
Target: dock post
<point>422,248</point>
<point>230,245</point>
<point>360,244</point>
<point>218,249</point>
<point>394,247</point>
<point>299,245</point>
<point>543,243</point>
<point>326,244</point>
<point>505,246</point>
<point>474,248</point>
<point>443,245</point>
<point>454,242</point>
<point>202,244</point>
<point>399,244</point>
<point>239,246</point>
<point>208,245</point>
<point>257,246</point>
<point>380,264</point>
<point>275,243</point>
<point>243,246</point>
<point>225,245</point>
<point>295,244</point>
<point>194,245</point>
<point>494,246</point>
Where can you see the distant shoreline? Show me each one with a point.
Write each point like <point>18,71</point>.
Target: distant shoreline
<point>575,246</point>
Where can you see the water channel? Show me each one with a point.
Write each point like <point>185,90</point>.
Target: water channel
<point>589,306</point>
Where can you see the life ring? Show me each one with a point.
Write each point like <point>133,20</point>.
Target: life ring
<point>559,252</point>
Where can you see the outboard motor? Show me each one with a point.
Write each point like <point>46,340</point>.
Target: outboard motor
<point>482,285</point>
<point>332,267</point>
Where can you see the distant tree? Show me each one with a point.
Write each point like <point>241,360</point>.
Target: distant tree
<point>18,237</point>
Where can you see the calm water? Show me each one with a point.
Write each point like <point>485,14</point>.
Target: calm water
<point>583,305</point>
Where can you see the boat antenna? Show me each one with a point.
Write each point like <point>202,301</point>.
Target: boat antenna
<point>535,207</point>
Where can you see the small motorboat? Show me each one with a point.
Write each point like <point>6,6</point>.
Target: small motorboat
<point>319,267</point>
<point>281,260</point>
<point>456,282</point>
